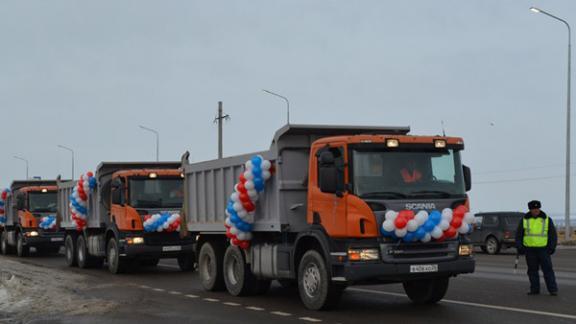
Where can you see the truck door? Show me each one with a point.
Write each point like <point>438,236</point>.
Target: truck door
<point>327,195</point>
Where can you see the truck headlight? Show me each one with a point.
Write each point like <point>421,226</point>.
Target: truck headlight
<point>465,250</point>
<point>32,233</point>
<point>135,240</point>
<point>363,254</point>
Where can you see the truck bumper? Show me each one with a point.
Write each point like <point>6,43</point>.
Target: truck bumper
<point>156,251</point>
<point>398,272</point>
<point>45,240</point>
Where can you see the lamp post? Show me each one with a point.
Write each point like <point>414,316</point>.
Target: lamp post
<point>287,104</point>
<point>567,230</point>
<point>157,140</point>
<point>27,164</point>
<point>72,152</point>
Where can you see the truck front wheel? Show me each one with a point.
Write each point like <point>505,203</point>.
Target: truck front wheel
<point>6,248</point>
<point>116,263</point>
<point>427,291</point>
<point>70,251</point>
<point>186,262</point>
<point>21,249</point>
<point>314,284</point>
<point>210,261</point>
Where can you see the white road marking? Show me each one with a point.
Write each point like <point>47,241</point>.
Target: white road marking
<point>310,319</point>
<point>232,304</point>
<point>191,296</point>
<point>458,302</point>
<point>213,300</point>
<point>158,289</point>
<point>175,293</point>
<point>144,287</point>
<point>254,308</point>
<point>280,313</point>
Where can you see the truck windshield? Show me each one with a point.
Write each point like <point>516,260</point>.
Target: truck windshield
<point>42,202</point>
<point>407,174</point>
<point>156,193</point>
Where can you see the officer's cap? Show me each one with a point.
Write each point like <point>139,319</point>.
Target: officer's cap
<point>534,204</point>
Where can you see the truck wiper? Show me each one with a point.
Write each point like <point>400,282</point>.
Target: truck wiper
<point>380,194</point>
<point>443,194</point>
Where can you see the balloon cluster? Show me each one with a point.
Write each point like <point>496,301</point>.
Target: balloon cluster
<point>242,202</point>
<point>424,226</point>
<point>163,222</point>
<point>47,223</point>
<point>3,197</point>
<point>79,199</point>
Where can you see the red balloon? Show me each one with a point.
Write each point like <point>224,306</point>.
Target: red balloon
<point>89,174</point>
<point>241,178</point>
<point>241,188</point>
<point>235,241</point>
<point>407,214</point>
<point>461,209</point>
<point>244,245</point>
<point>456,222</point>
<point>244,198</point>
<point>228,234</point>
<point>450,232</point>
<point>441,239</point>
<point>249,206</point>
<point>400,222</point>
<point>146,217</point>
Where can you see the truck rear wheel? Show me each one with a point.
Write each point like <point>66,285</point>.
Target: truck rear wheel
<point>427,291</point>
<point>70,251</point>
<point>186,261</point>
<point>237,274</point>
<point>116,263</point>
<point>6,248</point>
<point>21,249</point>
<point>85,260</point>
<point>210,261</point>
<point>314,285</point>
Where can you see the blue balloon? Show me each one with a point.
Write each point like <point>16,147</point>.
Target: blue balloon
<point>408,237</point>
<point>429,225</point>
<point>258,183</point>
<point>256,161</point>
<point>92,183</point>
<point>234,218</point>
<point>257,171</point>
<point>435,217</point>
<point>420,233</point>
<point>385,233</point>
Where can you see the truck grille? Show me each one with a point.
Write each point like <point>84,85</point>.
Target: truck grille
<point>418,252</point>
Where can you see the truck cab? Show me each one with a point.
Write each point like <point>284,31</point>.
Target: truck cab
<point>32,219</point>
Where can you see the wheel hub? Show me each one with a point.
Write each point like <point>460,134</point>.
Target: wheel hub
<point>311,280</point>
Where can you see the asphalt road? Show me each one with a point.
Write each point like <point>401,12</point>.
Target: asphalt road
<point>493,294</point>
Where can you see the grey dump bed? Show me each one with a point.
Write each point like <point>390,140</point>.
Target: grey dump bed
<point>98,199</point>
<point>10,206</point>
<point>282,206</point>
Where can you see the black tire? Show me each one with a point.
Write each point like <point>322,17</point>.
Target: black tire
<point>83,257</point>
<point>483,248</point>
<point>238,277</point>
<point>427,291</point>
<point>149,262</point>
<point>116,263</point>
<point>288,283</point>
<point>493,246</point>
<point>5,247</point>
<point>210,260</point>
<point>186,262</point>
<point>70,251</point>
<point>21,249</point>
<point>314,283</point>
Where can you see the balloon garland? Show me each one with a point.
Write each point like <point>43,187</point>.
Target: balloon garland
<point>3,197</point>
<point>47,223</point>
<point>423,226</point>
<point>163,222</point>
<point>79,199</point>
<point>242,203</point>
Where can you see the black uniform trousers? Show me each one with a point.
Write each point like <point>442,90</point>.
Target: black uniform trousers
<point>539,258</point>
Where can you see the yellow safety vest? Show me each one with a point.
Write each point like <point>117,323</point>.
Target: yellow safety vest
<point>536,232</point>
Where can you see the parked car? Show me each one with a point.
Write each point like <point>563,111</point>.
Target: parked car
<point>495,230</point>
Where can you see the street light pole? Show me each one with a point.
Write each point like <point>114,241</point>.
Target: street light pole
<point>157,140</point>
<point>287,104</point>
<point>568,230</point>
<point>27,164</point>
<point>71,151</point>
<point>220,121</point>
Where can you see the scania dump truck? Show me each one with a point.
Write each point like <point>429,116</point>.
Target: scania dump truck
<point>320,221</point>
<point>31,219</point>
<point>126,214</point>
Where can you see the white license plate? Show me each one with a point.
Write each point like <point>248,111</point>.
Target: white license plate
<point>57,239</point>
<point>171,248</point>
<point>419,268</point>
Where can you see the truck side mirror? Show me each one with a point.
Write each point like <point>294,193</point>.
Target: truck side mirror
<point>467,177</point>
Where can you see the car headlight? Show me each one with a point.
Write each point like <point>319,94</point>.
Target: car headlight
<point>363,254</point>
<point>32,233</point>
<point>465,250</point>
<point>135,240</point>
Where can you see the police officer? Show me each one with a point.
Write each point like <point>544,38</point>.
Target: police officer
<point>536,237</point>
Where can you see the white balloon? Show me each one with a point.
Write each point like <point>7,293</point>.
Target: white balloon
<point>235,197</point>
<point>233,230</point>
<point>421,217</point>
<point>249,185</point>
<point>388,225</point>
<point>444,225</point>
<point>447,214</point>
<point>266,165</point>
<point>159,229</point>
<point>464,228</point>
<point>244,236</point>
<point>436,232</point>
<point>390,215</point>
<point>242,213</point>
<point>248,175</point>
<point>227,221</point>
<point>400,232</point>
<point>412,225</point>
<point>238,206</point>
<point>248,165</point>
<point>266,175</point>
<point>469,218</point>
<point>427,238</point>
<point>252,193</point>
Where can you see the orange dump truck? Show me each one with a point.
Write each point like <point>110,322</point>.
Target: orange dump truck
<point>126,214</point>
<point>31,218</point>
<point>327,207</point>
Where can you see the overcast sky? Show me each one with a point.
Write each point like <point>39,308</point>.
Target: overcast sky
<point>86,73</point>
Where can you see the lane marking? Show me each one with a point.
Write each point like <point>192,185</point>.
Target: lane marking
<point>310,319</point>
<point>458,302</point>
<point>254,308</point>
<point>144,287</point>
<point>158,289</point>
<point>280,313</point>
<point>232,304</point>
<point>191,296</point>
<point>175,293</point>
<point>212,300</point>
